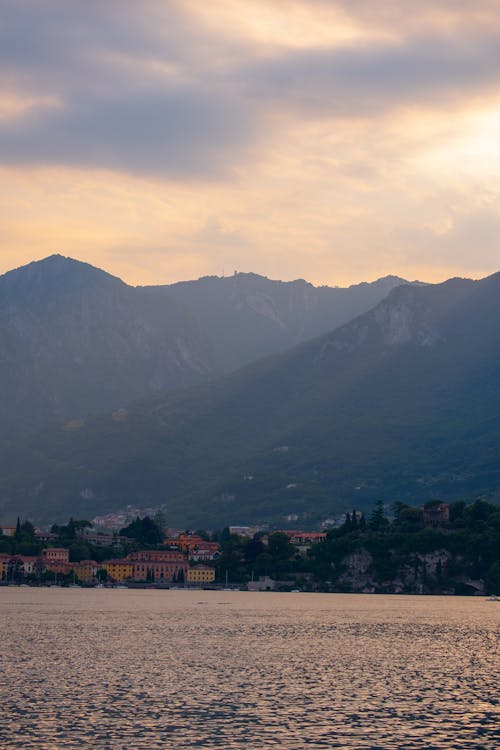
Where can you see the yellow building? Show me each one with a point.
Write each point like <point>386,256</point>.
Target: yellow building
<point>4,566</point>
<point>201,574</point>
<point>86,570</point>
<point>118,570</point>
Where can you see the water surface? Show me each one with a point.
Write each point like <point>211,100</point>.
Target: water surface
<point>139,670</point>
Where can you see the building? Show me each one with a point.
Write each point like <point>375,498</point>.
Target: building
<point>17,567</point>
<point>197,548</point>
<point>119,570</point>
<point>248,531</point>
<point>31,564</point>
<point>56,560</point>
<point>435,513</point>
<point>101,539</point>
<point>45,536</point>
<point>86,570</point>
<point>8,530</point>
<point>55,554</point>
<point>4,566</point>
<point>205,553</point>
<point>201,574</point>
<point>159,565</point>
<point>306,538</point>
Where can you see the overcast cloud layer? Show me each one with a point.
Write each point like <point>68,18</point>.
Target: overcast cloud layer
<point>336,141</point>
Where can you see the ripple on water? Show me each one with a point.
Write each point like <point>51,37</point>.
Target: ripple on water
<point>146,670</point>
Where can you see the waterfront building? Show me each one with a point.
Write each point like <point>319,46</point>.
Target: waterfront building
<point>159,565</point>
<point>4,566</point>
<point>201,574</point>
<point>17,567</point>
<point>56,560</point>
<point>31,564</point>
<point>119,570</point>
<point>86,570</point>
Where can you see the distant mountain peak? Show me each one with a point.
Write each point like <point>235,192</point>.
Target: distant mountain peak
<point>58,269</point>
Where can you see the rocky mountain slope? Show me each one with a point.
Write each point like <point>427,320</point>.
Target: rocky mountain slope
<point>75,340</point>
<point>400,404</point>
<point>247,316</point>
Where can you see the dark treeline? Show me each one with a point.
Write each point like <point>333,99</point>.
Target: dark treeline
<point>398,554</point>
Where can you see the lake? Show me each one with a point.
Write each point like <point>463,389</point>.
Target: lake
<point>141,669</point>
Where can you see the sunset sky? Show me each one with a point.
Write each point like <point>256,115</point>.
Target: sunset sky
<point>336,141</point>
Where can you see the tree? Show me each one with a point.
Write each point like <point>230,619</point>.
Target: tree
<point>28,530</point>
<point>252,549</point>
<point>279,546</point>
<point>378,520</point>
<point>102,575</point>
<point>144,531</point>
<point>79,551</point>
<point>347,525</point>
<point>160,520</point>
<point>71,529</point>
<point>81,524</point>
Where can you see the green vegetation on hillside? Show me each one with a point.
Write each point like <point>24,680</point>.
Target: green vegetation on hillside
<point>401,555</point>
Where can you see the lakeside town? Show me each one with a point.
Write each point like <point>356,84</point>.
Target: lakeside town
<point>184,559</point>
<point>437,548</point>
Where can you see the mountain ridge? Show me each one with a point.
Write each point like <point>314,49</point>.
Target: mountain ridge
<point>76,340</point>
<point>399,403</point>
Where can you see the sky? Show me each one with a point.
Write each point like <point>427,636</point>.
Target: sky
<point>332,140</point>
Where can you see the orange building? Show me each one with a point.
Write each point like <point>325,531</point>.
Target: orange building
<point>195,546</point>
<point>55,554</point>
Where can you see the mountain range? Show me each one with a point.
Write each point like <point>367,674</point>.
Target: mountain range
<point>75,340</point>
<point>400,403</point>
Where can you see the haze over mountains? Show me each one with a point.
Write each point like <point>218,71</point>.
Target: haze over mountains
<point>400,403</point>
<point>248,316</point>
<point>75,340</point>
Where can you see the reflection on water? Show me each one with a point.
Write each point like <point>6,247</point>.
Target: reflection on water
<point>133,670</point>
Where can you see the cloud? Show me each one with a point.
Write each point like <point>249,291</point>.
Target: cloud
<point>366,80</point>
<point>128,99</point>
<point>179,132</point>
<point>144,89</point>
<point>331,140</point>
